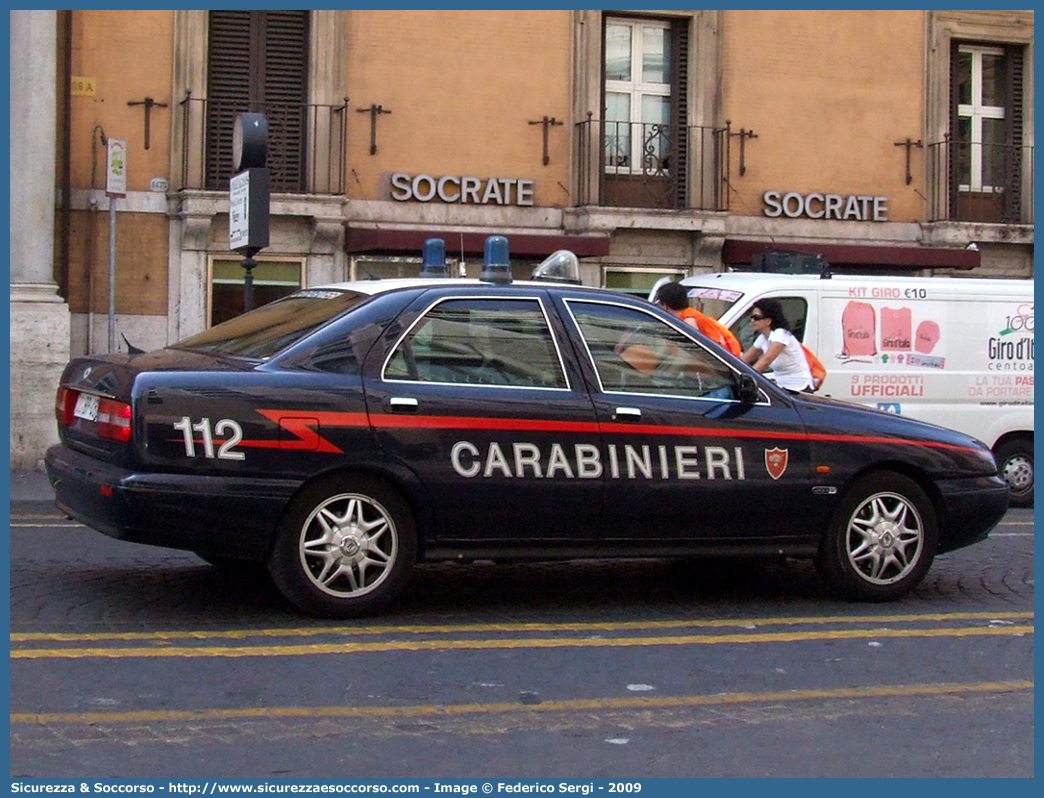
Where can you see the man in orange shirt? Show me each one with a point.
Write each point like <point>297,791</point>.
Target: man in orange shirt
<point>674,298</point>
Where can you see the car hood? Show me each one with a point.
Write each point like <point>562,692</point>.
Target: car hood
<point>837,417</point>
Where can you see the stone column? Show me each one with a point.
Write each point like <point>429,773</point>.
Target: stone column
<point>40,322</point>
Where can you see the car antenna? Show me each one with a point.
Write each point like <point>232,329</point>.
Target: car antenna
<point>131,348</point>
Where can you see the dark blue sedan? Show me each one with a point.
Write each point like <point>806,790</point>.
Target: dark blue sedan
<point>346,432</point>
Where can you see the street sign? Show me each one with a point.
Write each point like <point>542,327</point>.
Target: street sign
<point>248,195</point>
<point>239,211</point>
<point>116,164</point>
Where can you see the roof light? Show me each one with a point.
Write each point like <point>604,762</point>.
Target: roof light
<point>559,267</point>
<point>497,267</point>
<point>434,259</point>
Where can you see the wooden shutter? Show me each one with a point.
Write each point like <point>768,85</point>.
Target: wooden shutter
<point>258,61</point>
<point>680,110</point>
<point>228,89</point>
<point>954,143</point>
<point>285,96</point>
<point>1012,213</point>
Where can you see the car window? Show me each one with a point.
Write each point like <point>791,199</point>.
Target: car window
<point>271,328</point>
<point>480,341</point>
<point>635,352</point>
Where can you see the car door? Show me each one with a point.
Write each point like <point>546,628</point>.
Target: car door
<point>476,395</point>
<point>685,457</point>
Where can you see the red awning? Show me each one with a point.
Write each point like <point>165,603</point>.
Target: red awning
<point>358,240</point>
<point>735,252</point>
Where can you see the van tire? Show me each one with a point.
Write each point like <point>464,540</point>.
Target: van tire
<point>881,540</point>
<point>1015,463</point>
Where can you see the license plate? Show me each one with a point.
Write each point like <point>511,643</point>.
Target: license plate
<point>86,407</point>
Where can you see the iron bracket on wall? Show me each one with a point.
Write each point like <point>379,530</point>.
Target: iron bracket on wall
<point>547,122</point>
<point>374,111</point>
<point>743,135</point>
<point>909,144</point>
<point>149,104</point>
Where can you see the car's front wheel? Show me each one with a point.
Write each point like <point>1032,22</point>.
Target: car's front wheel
<point>1015,461</point>
<point>881,541</point>
<point>345,547</point>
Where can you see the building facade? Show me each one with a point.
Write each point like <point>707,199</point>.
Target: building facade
<point>650,143</point>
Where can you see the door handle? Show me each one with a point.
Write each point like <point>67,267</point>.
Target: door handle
<point>403,404</point>
<point>627,412</point>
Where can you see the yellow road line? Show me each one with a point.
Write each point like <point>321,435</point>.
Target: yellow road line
<point>601,626</point>
<point>574,705</point>
<point>506,643</point>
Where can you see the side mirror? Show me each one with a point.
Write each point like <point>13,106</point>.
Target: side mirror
<point>747,390</point>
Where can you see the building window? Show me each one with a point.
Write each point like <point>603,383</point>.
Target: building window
<point>390,267</point>
<point>258,61</point>
<point>987,157</point>
<point>644,136</point>
<point>637,281</point>
<point>273,279</point>
<point>980,118</point>
<point>637,95</point>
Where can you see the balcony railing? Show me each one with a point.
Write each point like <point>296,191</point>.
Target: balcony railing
<point>973,182</point>
<point>306,145</point>
<point>630,164</point>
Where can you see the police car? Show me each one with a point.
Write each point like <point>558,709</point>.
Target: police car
<point>346,432</point>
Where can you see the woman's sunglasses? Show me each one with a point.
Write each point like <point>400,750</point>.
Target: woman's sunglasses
<point>756,317</point>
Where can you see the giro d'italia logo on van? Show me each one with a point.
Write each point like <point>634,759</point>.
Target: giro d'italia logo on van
<point>1012,348</point>
<point>1020,321</point>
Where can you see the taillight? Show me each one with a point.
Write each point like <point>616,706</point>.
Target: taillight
<point>114,420</point>
<point>64,403</point>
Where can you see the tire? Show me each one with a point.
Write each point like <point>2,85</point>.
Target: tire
<point>1015,463</point>
<point>345,547</point>
<point>881,541</point>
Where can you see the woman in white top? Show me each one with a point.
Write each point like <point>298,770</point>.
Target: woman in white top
<point>777,348</point>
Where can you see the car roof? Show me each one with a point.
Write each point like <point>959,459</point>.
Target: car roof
<point>382,286</point>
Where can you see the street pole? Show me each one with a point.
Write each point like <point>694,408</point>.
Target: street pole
<point>112,274</point>
<point>248,283</point>
<point>115,186</point>
<point>249,193</point>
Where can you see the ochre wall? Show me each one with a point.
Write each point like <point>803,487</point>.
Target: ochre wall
<point>828,94</point>
<point>141,262</point>
<point>462,87</point>
<point>128,57</point>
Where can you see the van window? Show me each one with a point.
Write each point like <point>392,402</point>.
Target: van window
<point>713,302</point>
<point>795,308</point>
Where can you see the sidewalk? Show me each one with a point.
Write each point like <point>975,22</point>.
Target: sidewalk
<point>30,486</point>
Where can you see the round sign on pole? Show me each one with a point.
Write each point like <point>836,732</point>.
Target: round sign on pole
<point>249,141</point>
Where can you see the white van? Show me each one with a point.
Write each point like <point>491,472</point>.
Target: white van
<point>956,352</point>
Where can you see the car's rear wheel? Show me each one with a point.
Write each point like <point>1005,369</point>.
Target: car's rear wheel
<point>881,541</point>
<point>345,547</point>
<point>1015,461</point>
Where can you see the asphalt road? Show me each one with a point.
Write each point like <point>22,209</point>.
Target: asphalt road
<point>131,661</point>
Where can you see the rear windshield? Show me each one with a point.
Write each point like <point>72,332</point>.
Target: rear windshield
<point>271,328</point>
<point>712,301</point>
